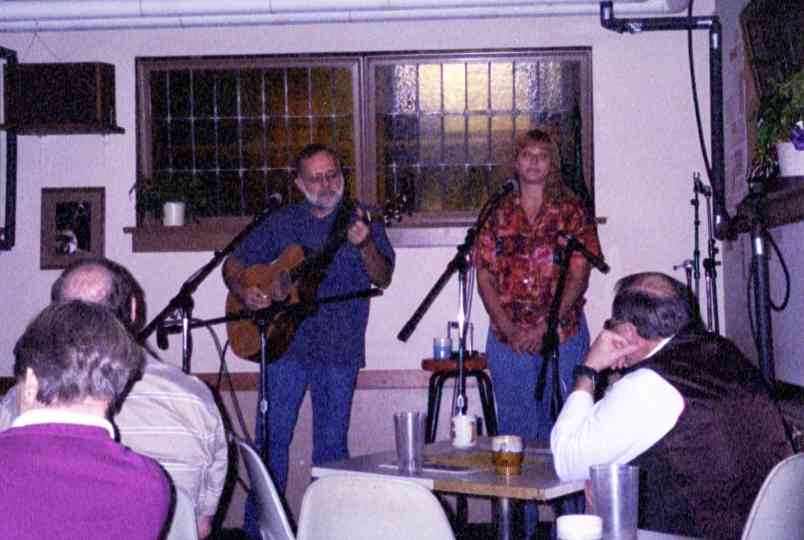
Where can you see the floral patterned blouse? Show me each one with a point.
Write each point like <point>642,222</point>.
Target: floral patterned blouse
<point>519,255</point>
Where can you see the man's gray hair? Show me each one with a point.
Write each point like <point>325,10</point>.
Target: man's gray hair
<point>655,303</point>
<point>78,350</point>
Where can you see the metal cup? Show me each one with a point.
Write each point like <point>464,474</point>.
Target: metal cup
<point>409,427</point>
<point>615,498</point>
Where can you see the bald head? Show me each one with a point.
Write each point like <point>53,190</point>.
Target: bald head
<point>90,283</point>
<point>655,303</point>
<point>100,281</point>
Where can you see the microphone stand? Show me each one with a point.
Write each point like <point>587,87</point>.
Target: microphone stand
<point>460,263</point>
<point>710,271</point>
<point>551,341</point>
<point>686,264</point>
<point>696,225</point>
<point>182,304</point>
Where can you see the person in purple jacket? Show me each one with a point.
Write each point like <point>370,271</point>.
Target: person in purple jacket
<point>63,474</point>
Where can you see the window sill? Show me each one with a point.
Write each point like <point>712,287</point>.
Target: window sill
<point>210,235</point>
<point>216,233</point>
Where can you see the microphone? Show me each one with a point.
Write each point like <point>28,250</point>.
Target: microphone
<point>511,185</point>
<point>701,188</point>
<point>161,336</point>
<point>577,245</point>
<point>274,199</point>
<point>685,264</point>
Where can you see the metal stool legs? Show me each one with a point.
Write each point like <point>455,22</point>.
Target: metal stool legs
<point>435,392</point>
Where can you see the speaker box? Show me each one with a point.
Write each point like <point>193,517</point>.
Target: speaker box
<point>44,99</point>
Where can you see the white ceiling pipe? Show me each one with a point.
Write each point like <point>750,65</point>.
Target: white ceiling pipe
<point>62,9</point>
<point>78,20</point>
<point>278,6</point>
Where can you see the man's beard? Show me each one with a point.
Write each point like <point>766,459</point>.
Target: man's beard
<point>332,196</point>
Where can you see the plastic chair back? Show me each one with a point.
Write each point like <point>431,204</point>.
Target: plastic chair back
<point>778,510</point>
<point>347,507</point>
<point>183,526</point>
<point>271,517</point>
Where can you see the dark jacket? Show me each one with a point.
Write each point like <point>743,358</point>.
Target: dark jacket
<point>702,477</point>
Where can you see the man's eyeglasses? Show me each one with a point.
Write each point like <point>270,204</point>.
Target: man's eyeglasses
<point>330,176</point>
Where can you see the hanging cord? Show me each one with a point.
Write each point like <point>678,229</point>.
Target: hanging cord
<point>695,97</point>
<point>224,373</point>
<point>749,288</point>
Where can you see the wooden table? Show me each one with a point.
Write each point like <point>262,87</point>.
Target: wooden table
<point>473,475</point>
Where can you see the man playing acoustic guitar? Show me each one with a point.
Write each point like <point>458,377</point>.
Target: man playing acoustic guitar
<point>328,348</point>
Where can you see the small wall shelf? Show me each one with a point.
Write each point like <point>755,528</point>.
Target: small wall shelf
<point>784,204</point>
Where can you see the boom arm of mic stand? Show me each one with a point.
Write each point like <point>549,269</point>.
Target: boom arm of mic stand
<point>457,262</point>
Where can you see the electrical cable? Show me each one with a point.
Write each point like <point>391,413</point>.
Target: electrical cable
<point>223,371</point>
<point>749,289</point>
<point>786,271</point>
<point>695,96</point>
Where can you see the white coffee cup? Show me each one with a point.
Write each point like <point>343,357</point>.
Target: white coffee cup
<point>579,527</point>
<point>173,214</point>
<point>463,429</point>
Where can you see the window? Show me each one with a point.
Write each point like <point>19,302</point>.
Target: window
<point>221,133</point>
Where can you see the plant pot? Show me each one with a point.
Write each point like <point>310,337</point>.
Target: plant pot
<point>791,161</point>
<point>173,214</point>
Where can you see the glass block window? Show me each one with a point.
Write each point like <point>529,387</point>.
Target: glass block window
<point>224,137</point>
<point>221,132</point>
<point>445,127</point>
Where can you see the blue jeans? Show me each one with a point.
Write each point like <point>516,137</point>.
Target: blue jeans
<point>331,392</point>
<point>514,377</point>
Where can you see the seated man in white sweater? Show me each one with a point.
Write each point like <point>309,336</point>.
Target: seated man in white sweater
<point>689,410</point>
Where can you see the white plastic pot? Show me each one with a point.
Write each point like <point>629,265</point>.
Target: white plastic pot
<point>791,161</point>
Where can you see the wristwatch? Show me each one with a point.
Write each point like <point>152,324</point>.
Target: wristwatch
<point>582,370</point>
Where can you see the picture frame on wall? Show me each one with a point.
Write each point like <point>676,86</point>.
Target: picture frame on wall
<point>72,225</point>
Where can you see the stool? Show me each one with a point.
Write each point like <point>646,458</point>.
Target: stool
<point>474,366</point>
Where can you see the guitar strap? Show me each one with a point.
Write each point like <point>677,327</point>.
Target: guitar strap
<point>337,235</point>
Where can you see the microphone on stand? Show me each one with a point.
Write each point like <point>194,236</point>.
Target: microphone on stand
<point>274,199</point>
<point>685,264</point>
<point>511,185</point>
<point>593,259</point>
<point>700,187</point>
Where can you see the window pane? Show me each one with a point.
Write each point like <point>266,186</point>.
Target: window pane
<point>477,83</point>
<point>454,88</point>
<point>251,93</point>
<point>502,86</point>
<point>430,87</point>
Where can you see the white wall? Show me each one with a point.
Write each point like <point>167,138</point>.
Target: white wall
<point>645,149</point>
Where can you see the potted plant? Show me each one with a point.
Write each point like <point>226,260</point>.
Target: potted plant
<point>780,130</point>
<point>161,199</point>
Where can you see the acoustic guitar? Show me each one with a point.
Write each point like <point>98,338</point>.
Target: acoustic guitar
<point>304,271</point>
